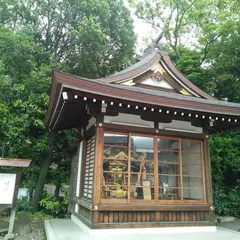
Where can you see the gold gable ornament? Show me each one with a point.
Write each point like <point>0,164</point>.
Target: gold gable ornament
<point>185,92</point>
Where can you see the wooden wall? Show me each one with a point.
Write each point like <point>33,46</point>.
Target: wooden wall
<point>153,216</point>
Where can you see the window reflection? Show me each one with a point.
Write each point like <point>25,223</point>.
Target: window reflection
<point>171,171</point>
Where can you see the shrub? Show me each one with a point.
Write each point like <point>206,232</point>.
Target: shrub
<point>54,206</point>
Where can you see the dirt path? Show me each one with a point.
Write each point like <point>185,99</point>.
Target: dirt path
<point>36,234</point>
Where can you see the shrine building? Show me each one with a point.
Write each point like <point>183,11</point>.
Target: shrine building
<point>143,155</point>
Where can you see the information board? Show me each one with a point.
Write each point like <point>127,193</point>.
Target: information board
<point>7,186</point>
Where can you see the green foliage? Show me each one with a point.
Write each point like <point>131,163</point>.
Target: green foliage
<point>225,159</point>
<point>55,206</point>
<point>23,204</point>
<point>89,38</point>
<point>190,65</point>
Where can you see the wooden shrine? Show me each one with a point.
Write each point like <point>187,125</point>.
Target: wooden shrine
<point>143,154</point>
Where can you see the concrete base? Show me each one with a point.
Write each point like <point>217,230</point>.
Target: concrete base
<point>62,229</point>
<point>133,231</point>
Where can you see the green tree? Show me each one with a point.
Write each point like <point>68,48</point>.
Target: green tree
<point>88,38</point>
<point>93,38</point>
<point>225,160</point>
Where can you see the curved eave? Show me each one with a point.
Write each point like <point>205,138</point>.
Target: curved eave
<point>141,97</point>
<point>170,66</point>
<point>148,63</point>
<point>135,70</point>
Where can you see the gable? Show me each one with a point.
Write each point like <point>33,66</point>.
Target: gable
<point>158,78</point>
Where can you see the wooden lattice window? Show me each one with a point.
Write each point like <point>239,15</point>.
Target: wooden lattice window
<point>89,167</point>
<point>152,168</point>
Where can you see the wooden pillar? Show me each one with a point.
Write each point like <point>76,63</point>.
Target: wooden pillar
<point>98,168</point>
<point>208,175</point>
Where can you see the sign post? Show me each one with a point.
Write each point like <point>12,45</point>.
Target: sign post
<point>10,172</point>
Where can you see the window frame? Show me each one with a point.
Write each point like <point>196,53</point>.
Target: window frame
<point>156,186</point>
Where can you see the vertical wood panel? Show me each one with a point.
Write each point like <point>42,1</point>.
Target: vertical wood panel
<point>134,217</point>
<point>166,216</point>
<point>152,217</point>
<point>155,169</point>
<point>110,220</point>
<point>105,217</point>
<point>130,216</point>
<point>180,165</point>
<point>203,172</point>
<point>194,216</point>
<point>157,217</point>
<point>174,216</point>
<point>182,217</point>
<point>129,165</point>
<point>143,217</point>
<point>98,164</point>
<point>190,216</point>
<point>115,217</point>
<point>198,216</point>
<point>120,216</point>
<point>101,217</point>
<point>178,216</point>
<point>125,217</point>
<point>148,216</point>
<point>139,216</point>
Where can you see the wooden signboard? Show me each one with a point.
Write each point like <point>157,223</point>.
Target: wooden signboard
<point>7,186</point>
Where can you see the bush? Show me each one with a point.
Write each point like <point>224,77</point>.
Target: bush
<point>54,206</point>
<point>23,204</point>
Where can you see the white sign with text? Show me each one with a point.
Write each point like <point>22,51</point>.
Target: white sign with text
<point>7,186</point>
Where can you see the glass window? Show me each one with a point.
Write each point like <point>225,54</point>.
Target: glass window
<point>151,168</point>
<point>115,166</point>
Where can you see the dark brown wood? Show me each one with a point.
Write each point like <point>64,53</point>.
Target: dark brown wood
<point>134,216</point>
<point>111,219</point>
<point>114,93</point>
<point>148,207</point>
<point>120,216</point>
<point>105,217</point>
<point>98,165</point>
<point>139,217</point>
<point>116,216</point>
<point>153,218</point>
<point>83,202</point>
<point>130,216</point>
<point>157,216</point>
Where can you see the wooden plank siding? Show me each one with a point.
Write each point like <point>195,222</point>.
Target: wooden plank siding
<point>153,216</point>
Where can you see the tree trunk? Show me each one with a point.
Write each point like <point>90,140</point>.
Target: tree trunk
<point>43,174</point>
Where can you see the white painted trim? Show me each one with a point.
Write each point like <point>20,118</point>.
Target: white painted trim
<point>79,173</point>
<point>181,126</point>
<point>80,224</point>
<point>92,121</point>
<point>129,120</point>
<point>132,231</point>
